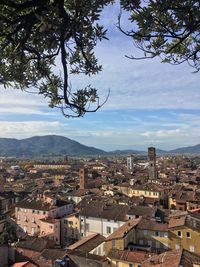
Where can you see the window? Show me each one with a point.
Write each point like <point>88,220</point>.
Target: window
<point>114,229</point>
<point>33,230</point>
<point>33,211</point>
<point>44,212</point>
<point>179,234</point>
<point>141,242</point>
<point>113,243</point>
<point>149,243</point>
<point>145,232</point>
<point>157,244</point>
<point>130,265</point>
<point>108,230</point>
<point>25,219</point>
<point>157,233</point>
<point>188,235</point>
<point>191,248</point>
<point>177,246</point>
<point>51,226</point>
<point>18,217</point>
<point>25,229</point>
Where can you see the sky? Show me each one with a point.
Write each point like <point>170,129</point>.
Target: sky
<point>150,103</point>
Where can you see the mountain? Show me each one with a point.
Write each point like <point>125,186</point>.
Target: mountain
<point>187,150</point>
<point>51,145</point>
<point>126,152</point>
<point>54,145</point>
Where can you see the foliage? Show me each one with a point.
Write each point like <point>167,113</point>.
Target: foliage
<point>8,235</point>
<point>37,34</point>
<point>165,28</point>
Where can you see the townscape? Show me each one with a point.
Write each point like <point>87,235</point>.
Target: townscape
<point>133,211</point>
<point>135,200</point>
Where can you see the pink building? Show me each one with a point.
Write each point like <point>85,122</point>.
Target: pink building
<point>51,228</point>
<point>35,217</point>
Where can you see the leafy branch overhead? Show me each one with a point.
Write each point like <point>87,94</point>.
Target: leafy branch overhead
<point>168,29</point>
<point>38,34</point>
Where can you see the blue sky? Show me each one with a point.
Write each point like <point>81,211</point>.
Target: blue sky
<point>150,103</point>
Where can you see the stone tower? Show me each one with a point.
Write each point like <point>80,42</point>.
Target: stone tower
<point>152,163</point>
<point>130,163</point>
<point>83,173</point>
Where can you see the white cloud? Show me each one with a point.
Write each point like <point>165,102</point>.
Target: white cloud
<point>164,133</point>
<point>29,128</point>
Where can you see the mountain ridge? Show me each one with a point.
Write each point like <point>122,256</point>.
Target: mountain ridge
<point>56,145</point>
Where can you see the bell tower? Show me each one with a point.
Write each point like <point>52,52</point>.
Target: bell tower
<point>83,173</point>
<point>152,163</point>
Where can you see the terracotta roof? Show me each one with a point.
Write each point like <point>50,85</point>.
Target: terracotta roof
<point>142,211</point>
<point>123,230</point>
<point>189,259</point>
<point>176,222</point>
<point>76,253</point>
<point>129,256</point>
<point>35,243</point>
<point>35,205</point>
<point>54,254</point>
<point>152,225</point>
<point>39,204</point>
<point>97,209</point>
<point>166,259</point>
<point>88,243</point>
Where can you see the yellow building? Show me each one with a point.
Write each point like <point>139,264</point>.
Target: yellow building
<point>150,190</point>
<point>184,233</point>
<point>71,228</point>
<point>122,237</point>
<point>151,235</point>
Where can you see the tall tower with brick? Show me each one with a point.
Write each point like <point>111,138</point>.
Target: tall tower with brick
<point>152,163</point>
<point>83,176</point>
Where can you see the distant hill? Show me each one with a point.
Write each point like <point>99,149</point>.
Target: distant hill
<point>126,152</point>
<point>187,150</point>
<point>54,145</point>
<point>51,145</point>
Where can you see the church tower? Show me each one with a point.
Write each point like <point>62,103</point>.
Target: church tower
<point>83,173</point>
<point>152,163</point>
